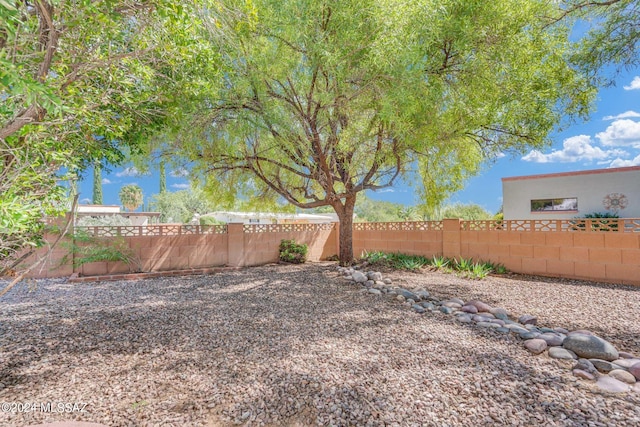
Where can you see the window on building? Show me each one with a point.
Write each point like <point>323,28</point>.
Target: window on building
<point>254,221</point>
<point>545,205</point>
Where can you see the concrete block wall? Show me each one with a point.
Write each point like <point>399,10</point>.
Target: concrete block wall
<point>541,249</point>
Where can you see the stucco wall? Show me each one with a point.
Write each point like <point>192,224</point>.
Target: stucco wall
<point>589,187</point>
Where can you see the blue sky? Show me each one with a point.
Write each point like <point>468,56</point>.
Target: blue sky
<point>610,138</point>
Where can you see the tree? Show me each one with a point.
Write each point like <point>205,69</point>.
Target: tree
<point>163,177</point>
<point>80,82</point>
<point>131,196</point>
<point>613,35</point>
<point>97,184</point>
<point>321,100</point>
<point>180,206</point>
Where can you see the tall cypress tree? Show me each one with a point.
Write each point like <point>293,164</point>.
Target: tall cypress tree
<point>97,184</point>
<point>163,177</point>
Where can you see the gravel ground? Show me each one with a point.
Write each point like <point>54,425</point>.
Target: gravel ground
<point>296,345</point>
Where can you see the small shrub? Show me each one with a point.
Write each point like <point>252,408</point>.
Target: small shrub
<point>84,248</point>
<point>292,252</point>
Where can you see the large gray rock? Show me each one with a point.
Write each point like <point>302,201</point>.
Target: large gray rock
<point>536,346</point>
<point>375,291</point>
<point>590,347</point>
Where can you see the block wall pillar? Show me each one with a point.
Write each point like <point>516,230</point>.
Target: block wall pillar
<point>235,245</point>
<point>451,238</point>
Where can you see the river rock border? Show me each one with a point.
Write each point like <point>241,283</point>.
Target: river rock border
<point>597,360</point>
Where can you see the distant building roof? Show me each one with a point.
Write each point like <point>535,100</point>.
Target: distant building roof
<point>575,173</point>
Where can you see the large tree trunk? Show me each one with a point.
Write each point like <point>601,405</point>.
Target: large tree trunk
<point>345,215</point>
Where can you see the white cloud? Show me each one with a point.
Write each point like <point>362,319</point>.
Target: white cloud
<point>385,190</point>
<point>635,84</point>
<point>619,163</point>
<point>575,148</point>
<point>179,173</point>
<point>85,201</point>
<point>621,133</point>
<point>500,155</point>
<point>625,115</point>
<point>181,186</point>
<point>106,181</point>
<point>128,172</point>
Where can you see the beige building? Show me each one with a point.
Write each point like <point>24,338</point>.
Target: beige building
<point>573,194</point>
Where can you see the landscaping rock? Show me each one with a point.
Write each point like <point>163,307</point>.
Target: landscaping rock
<point>469,309</point>
<point>498,310</point>
<point>446,310</point>
<point>428,305</point>
<point>482,307</point>
<point>590,347</point>
<point>529,335</point>
<point>407,294</point>
<point>501,316</point>
<point>583,374</point>
<point>622,375</point>
<point>369,283</point>
<point>552,339</point>
<point>626,363</point>
<point>488,325</point>
<point>417,308</point>
<point>612,385</point>
<point>422,294</point>
<point>463,319</point>
<point>585,365</point>
<point>457,301</point>
<point>604,366</point>
<point>535,346</point>
<point>503,330</point>
<point>635,370</point>
<point>375,291</point>
<point>452,304</point>
<point>358,277</point>
<point>562,353</point>
<point>626,355</point>
<point>387,281</point>
<point>374,275</point>
<point>527,319</point>
<point>561,330</point>
<point>400,298</point>
<point>580,332</point>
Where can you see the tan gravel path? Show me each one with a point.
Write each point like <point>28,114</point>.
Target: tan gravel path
<point>295,345</point>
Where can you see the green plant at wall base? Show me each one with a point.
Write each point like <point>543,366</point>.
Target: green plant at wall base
<point>84,248</point>
<point>600,221</point>
<point>292,252</point>
<point>463,264</point>
<point>439,262</point>
<point>479,270</point>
